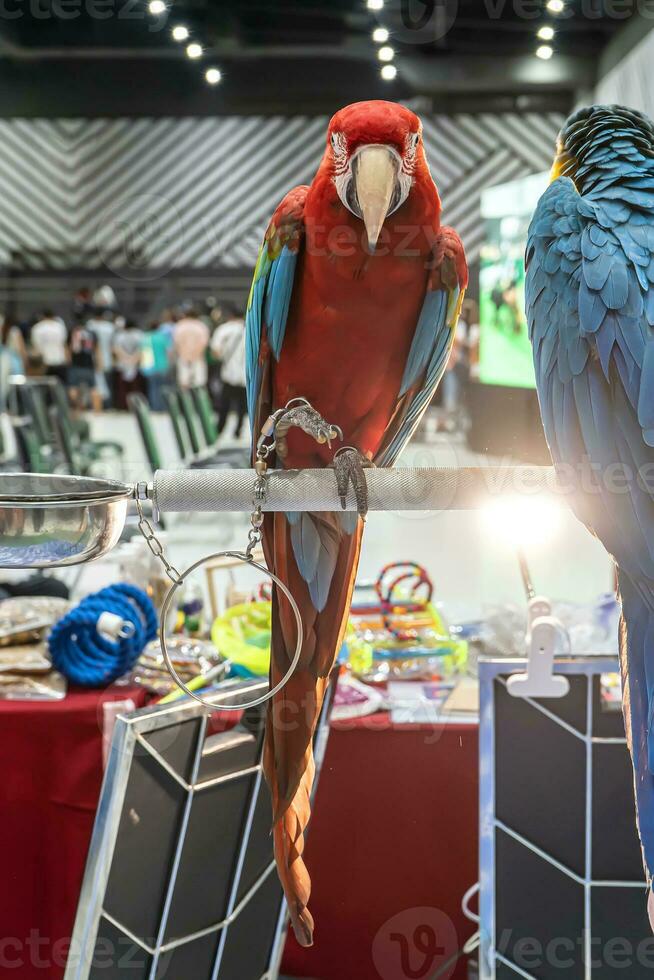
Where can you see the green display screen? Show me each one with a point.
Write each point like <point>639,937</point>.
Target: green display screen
<point>505,356</point>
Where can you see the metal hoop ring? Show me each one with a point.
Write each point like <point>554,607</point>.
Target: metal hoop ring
<point>165,609</point>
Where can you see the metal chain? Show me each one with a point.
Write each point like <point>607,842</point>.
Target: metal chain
<point>255,534</point>
<point>265,445</point>
<point>272,435</point>
<point>155,545</point>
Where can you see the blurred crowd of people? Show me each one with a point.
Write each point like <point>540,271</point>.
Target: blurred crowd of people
<point>102,356</point>
<point>462,367</point>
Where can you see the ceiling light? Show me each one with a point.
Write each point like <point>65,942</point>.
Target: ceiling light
<point>546,33</point>
<point>194,50</point>
<point>556,6</point>
<point>386,53</point>
<point>375,4</point>
<point>388,72</point>
<point>380,35</point>
<point>157,7</point>
<point>545,51</point>
<point>180,33</point>
<point>212,75</point>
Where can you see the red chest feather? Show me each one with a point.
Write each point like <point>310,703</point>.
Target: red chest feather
<point>350,328</point>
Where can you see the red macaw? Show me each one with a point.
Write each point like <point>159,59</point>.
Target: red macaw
<point>354,304</point>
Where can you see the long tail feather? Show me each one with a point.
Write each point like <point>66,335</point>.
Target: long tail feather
<point>637,665</point>
<point>293,714</point>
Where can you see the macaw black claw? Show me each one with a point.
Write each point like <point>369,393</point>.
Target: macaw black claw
<point>302,415</point>
<point>349,465</point>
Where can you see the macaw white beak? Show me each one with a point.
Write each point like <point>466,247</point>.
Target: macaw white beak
<point>375,170</point>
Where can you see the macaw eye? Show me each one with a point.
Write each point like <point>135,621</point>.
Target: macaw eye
<point>334,141</point>
<point>415,140</point>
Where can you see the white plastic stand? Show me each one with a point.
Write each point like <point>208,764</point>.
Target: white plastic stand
<point>542,632</point>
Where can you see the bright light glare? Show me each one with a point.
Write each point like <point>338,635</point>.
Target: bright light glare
<point>546,33</point>
<point>180,33</point>
<point>375,4</point>
<point>386,53</point>
<point>213,76</point>
<point>194,50</point>
<point>380,35</point>
<point>523,520</point>
<point>556,6</point>
<point>156,7</point>
<point>545,52</point>
<point>388,73</point>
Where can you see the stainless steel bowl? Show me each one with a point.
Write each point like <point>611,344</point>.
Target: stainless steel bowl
<point>47,521</point>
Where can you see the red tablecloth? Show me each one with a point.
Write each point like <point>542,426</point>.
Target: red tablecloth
<point>392,849</point>
<point>50,777</point>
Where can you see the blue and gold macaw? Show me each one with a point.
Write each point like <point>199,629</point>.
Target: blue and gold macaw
<point>590,307</point>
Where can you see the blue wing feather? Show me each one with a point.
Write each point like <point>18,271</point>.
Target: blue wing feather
<point>315,543</point>
<point>433,313</point>
<point>594,331</point>
<point>270,300</point>
<point>430,348</point>
<point>272,288</point>
<point>597,403</point>
<point>252,345</point>
<point>278,297</point>
<point>646,393</point>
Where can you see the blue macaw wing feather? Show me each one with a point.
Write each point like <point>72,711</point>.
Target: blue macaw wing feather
<point>588,334</point>
<point>646,393</point>
<point>433,312</point>
<point>430,348</point>
<point>316,539</point>
<point>271,291</point>
<point>594,361</point>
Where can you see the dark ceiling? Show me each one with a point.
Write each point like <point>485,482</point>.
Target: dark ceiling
<point>295,55</point>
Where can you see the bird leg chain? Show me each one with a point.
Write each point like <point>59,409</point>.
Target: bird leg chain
<point>255,534</point>
<point>298,413</point>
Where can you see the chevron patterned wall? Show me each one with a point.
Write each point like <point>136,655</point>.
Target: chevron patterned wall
<point>630,82</point>
<point>137,195</point>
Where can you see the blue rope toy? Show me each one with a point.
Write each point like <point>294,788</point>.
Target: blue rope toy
<point>86,657</point>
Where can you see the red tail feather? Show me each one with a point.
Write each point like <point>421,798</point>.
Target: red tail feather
<point>294,712</point>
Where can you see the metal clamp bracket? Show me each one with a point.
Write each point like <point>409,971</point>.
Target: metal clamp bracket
<point>539,681</point>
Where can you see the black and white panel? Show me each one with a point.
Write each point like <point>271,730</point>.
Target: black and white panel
<point>197,193</point>
<point>180,879</point>
<point>562,888</point>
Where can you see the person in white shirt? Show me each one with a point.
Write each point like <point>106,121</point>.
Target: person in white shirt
<point>49,340</point>
<point>103,328</point>
<point>228,345</point>
<point>191,339</point>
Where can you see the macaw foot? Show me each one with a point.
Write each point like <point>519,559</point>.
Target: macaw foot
<point>301,415</point>
<point>349,465</point>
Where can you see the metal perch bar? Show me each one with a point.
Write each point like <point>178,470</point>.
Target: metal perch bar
<point>438,488</point>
